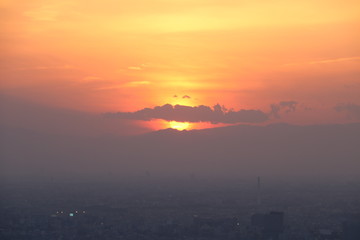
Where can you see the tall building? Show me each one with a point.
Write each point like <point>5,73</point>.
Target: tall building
<point>258,200</point>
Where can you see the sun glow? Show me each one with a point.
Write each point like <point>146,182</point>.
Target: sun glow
<point>179,125</point>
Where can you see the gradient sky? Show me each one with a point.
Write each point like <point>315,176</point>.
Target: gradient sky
<point>123,56</point>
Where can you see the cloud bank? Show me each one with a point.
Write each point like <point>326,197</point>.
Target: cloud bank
<point>201,113</point>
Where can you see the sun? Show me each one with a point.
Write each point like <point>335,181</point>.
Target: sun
<point>179,125</point>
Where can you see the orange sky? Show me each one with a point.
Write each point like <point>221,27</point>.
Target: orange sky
<point>116,55</point>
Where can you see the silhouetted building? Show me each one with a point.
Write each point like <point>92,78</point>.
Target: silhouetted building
<point>257,220</point>
<point>258,200</point>
<point>273,225</point>
<point>270,225</point>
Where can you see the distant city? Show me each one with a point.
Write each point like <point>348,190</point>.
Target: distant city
<point>179,120</point>
<point>188,209</point>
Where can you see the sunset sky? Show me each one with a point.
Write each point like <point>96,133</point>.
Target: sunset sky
<point>261,61</point>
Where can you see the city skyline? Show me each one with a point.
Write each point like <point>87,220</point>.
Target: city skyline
<point>179,120</point>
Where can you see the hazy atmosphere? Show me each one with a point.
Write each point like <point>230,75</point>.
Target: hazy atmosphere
<point>179,119</point>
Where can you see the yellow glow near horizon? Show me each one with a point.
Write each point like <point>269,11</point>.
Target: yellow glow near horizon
<point>118,55</point>
<point>179,125</point>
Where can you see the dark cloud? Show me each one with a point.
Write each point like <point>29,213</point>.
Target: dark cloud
<point>181,113</point>
<point>353,110</point>
<point>283,106</point>
<point>202,113</point>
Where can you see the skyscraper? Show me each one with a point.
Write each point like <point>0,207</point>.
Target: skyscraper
<point>258,201</point>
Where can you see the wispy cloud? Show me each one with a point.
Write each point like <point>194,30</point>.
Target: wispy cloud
<point>50,67</point>
<point>137,83</point>
<point>283,106</point>
<point>49,12</point>
<point>91,78</point>
<point>135,68</point>
<point>335,60</point>
<point>352,110</point>
<point>326,61</point>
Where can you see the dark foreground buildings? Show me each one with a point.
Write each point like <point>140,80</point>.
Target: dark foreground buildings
<point>268,226</point>
<point>213,213</point>
<point>351,228</point>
